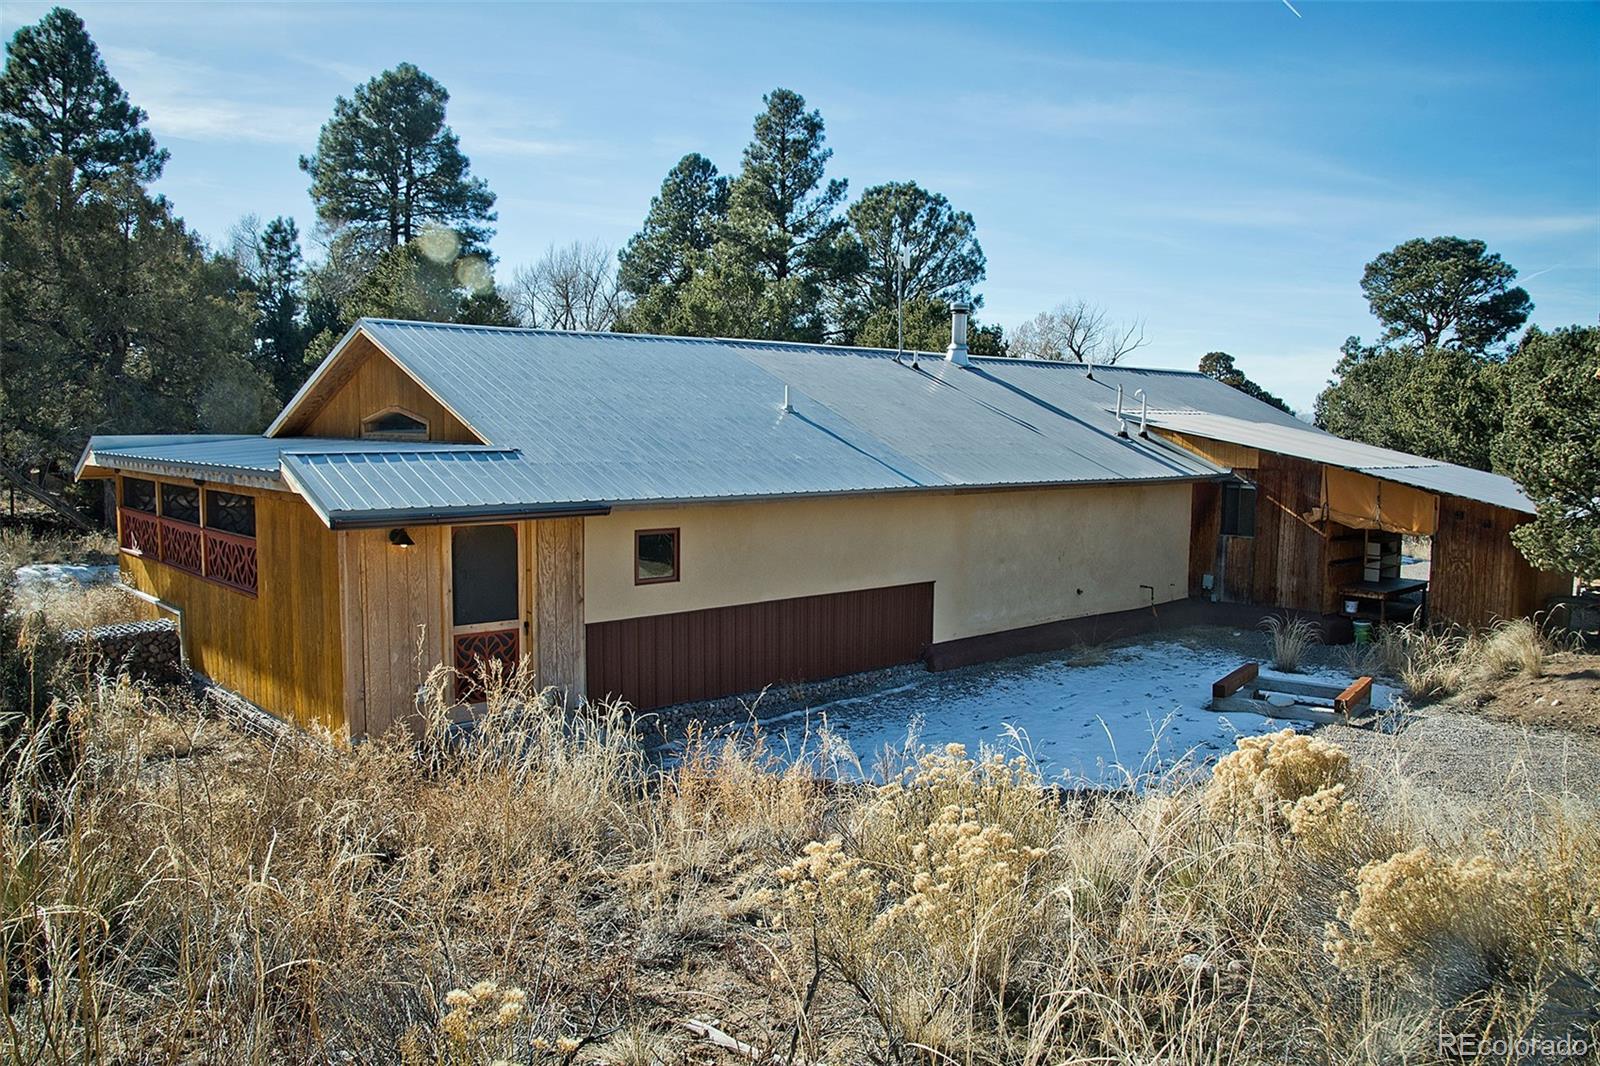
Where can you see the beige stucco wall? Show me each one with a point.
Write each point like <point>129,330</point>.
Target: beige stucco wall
<point>998,560</point>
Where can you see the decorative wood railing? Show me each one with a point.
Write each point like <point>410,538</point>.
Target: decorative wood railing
<point>473,652</point>
<point>225,558</point>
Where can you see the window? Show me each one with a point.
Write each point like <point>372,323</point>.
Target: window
<point>483,561</point>
<point>139,494</point>
<point>181,502</point>
<point>1238,510</point>
<point>655,556</point>
<point>231,512</point>
<point>394,424</point>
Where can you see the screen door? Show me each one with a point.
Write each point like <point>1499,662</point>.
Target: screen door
<point>485,604</point>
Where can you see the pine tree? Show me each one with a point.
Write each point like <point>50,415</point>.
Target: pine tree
<point>387,166</point>
<point>778,249</point>
<point>271,264</point>
<point>679,230</point>
<point>944,259</point>
<point>1220,365</point>
<point>57,98</point>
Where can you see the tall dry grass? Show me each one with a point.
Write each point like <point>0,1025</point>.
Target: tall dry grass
<point>1430,662</point>
<point>540,889</point>
<point>1291,639</point>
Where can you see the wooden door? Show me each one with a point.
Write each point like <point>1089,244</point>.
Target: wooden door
<point>486,616</point>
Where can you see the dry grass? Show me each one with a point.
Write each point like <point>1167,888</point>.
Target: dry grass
<point>20,546</point>
<point>174,891</point>
<point>1291,639</point>
<point>1431,663</point>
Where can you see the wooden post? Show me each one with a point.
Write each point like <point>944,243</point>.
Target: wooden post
<point>1358,695</point>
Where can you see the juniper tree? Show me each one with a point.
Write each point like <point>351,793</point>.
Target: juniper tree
<point>1550,444</point>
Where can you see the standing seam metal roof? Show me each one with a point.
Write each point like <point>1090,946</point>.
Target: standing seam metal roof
<point>596,419</point>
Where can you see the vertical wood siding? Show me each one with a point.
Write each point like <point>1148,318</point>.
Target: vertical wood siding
<point>282,648</point>
<point>1205,525</point>
<point>665,659</point>
<point>396,624</point>
<point>556,593</point>
<point>1477,574</point>
<point>371,383</point>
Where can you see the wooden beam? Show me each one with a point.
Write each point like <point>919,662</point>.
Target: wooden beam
<point>1296,687</point>
<point>1298,711</point>
<point>1358,695</point>
<point>1236,680</point>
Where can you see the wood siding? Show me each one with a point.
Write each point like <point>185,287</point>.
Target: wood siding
<point>665,659</point>
<point>1478,575</point>
<point>1291,551</point>
<point>396,624</point>
<point>282,648</point>
<point>555,581</point>
<point>1205,525</point>
<point>366,382</point>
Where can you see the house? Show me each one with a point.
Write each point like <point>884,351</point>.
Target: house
<point>668,519</point>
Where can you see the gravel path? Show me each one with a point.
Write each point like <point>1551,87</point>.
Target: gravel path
<point>1463,754</point>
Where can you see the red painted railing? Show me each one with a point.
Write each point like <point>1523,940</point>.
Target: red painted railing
<point>231,559</point>
<point>140,532</point>
<point>225,558</point>
<point>181,546</point>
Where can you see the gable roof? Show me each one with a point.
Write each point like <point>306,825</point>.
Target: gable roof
<point>578,422</point>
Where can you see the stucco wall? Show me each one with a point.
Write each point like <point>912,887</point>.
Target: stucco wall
<point>999,560</point>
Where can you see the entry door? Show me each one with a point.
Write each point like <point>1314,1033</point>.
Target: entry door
<point>485,603</point>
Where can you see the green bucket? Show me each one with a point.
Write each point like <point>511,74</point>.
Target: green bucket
<point>1363,632</point>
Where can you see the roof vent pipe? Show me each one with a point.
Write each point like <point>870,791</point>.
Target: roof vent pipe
<point>1144,412</point>
<point>957,352</point>
<point>787,406</point>
<point>1122,423</point>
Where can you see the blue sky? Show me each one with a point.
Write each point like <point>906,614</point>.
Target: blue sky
<point>1221,172</point>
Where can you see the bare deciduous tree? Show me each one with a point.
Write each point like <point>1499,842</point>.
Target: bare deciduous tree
<point>1076,331</point>
<point>570,287</point>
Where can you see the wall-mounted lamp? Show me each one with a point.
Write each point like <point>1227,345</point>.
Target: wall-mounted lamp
<point>400,538</point>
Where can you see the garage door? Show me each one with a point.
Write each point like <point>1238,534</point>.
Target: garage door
<point>664,659</point>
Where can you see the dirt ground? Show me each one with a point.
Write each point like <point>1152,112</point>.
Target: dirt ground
<point>1542,732</point>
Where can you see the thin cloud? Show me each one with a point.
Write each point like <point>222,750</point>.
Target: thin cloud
<point>189,101</point>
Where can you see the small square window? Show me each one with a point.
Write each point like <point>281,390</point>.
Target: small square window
<point>1238,510</point>
<point>655,556</point>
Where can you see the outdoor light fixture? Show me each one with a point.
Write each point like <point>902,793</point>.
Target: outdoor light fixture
<point>400,538</point>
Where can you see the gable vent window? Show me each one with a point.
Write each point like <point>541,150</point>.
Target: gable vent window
<point>394,425</point>
<point>1238,510</point>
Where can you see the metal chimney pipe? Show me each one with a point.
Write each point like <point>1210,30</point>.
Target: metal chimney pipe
<point>957,352</point>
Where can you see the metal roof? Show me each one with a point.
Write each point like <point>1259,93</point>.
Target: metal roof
<point>250,453</point>
<point>1304,442</point>
<point>620,418</point>
<point>583,421</point>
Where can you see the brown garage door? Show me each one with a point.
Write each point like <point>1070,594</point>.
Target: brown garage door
<point>696,655</point>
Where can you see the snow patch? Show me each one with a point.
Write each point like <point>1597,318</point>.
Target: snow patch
<point>1140,711</point>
